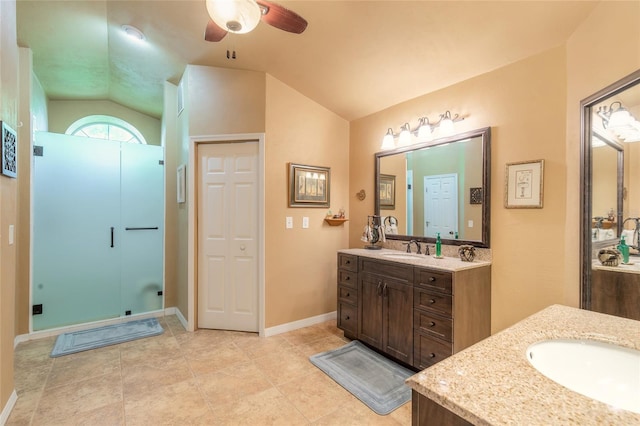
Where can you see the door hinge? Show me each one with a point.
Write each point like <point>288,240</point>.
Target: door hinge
<point>38,150</point>
<point>36,309</point>
<point>161,162</point>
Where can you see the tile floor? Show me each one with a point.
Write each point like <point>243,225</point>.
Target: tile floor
<point>208,377</point>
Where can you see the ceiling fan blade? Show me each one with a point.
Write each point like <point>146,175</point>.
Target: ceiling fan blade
<point>281,17</point>
<point>213,32</point>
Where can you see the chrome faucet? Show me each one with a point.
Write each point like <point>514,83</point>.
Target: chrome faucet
<point>418,246</point>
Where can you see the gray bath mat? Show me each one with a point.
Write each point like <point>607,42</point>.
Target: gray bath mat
<point>370,377</point>
<point>84,340</point>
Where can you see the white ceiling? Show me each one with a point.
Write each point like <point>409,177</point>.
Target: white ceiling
<point>355,58</point>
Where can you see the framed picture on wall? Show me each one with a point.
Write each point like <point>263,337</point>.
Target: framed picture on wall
<point>523,186</point>
<point>9,151</point>
<point>387,192</point>
<point>309,186</point>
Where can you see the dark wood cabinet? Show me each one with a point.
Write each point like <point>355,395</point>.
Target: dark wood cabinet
<point>414,314</point>
<point>616,293</point>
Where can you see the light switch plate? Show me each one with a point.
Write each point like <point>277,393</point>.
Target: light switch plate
<point>11,232</point>
<point>305,222</point>
<point>289,222</point>
<point>470,224</point>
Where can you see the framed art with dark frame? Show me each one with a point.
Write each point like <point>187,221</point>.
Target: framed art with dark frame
<point>523,186</point>
<point>387,192</point>
<point>9,151</point>
<point>309,186</point>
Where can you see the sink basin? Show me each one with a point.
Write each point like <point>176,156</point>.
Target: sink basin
<point>401,255</point>
<point>602,371</point>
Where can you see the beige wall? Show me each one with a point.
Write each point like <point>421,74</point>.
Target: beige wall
<point>170,143</point>
<point>514,101</point>
<point>301,263</point>
<point>593,62</point>
<point>8,194</point>
<point>64,113</point>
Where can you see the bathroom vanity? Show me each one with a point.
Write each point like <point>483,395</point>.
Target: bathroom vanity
<point>615,290</point>
<point>414,308</point>
<point>493,383</point>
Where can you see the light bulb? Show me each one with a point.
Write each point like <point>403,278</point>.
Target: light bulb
<point>424,132</point>
<point>405,136</point>
<point>387,141</point>
<point>236,16</point>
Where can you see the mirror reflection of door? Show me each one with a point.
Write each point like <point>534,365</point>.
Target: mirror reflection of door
<point>441,205</point>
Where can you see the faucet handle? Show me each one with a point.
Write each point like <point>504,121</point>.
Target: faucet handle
<point>408,246</point>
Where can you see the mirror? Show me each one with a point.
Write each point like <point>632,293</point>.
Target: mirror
<point>441,186</point>
<point>610,177</point>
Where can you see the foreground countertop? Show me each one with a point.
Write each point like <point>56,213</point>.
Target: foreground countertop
<point>492,383</point>
<point>450,264</point>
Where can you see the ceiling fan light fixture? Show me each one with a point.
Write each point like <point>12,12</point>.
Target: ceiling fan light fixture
<point>235,16</point>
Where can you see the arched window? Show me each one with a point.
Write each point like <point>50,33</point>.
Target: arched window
<point>106,127</point>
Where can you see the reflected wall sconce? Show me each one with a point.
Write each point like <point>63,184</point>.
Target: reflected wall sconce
<point>424,131</point>
<point>617,119</point>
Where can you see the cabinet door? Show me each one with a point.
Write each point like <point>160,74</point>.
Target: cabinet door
<point>398,320</point>
<point>370,309</point>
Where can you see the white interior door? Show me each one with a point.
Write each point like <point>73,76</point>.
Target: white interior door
<point>441,205</point>
<point>228,236</point>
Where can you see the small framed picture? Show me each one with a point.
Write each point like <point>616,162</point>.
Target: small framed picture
<point>387,192</point>
<point>181,184</point>
<point>475,195</point>
<point>309,186</point>
<point>9,151</point>
<point>523,187</point>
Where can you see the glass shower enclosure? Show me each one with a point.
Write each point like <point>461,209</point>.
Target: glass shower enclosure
<point>98,216</point>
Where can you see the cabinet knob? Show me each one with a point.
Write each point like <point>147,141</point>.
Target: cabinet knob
<point>432,301</point>
<point>347,262</point>
<point>432,279</point>
<point>348,317</point>
<point>348,294</point>
<point>348,278</point>
<point>432,324</point>
<point>432,355</point>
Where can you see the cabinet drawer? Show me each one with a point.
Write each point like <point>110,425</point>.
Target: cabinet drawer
<point>348,262</point>
<point>387,269</point>
<point>347,295</point>
<point>429,350</point>
<point>432,324</point>
<point>435,280</point>
<point>348,278</point>
<point>348,318</point>
<point>432,301</point>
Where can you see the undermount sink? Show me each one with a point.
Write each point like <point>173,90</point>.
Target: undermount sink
<point>602,371</point>
<point>401,255</point>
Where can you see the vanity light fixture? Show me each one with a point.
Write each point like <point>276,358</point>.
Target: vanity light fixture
<point>423,132</point>
<point>617,119</point>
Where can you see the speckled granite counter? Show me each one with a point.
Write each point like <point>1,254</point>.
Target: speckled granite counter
<point>451,264</point>
<point>633,267</point>
<point>492,383</point>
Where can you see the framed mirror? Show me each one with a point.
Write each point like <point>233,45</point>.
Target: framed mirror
<point>441,186</point>
<point>609,175</point>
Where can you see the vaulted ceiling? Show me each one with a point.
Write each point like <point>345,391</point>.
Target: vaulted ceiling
<point>355,57</point>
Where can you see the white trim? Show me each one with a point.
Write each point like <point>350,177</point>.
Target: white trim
<point>181,318</point>
<point>283,328</point>
<point>6,411</point>
<point>192,220</point>
<point>85,326</point>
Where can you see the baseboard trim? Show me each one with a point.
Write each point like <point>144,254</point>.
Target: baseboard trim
<point>8,407</point>
<point>283,328</point>
<point>181,317</point>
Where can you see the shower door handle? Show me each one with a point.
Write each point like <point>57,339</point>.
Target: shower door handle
<point>141,229</point>
<point>112,236</point>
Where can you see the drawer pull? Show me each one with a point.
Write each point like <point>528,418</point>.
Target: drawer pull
<point>348,278</point>
<point>348,294</point>
<point>432,324</point>
<point>432,355</point>
<point>348,262</point>
<point>432,279</point>
<point>432,301</point>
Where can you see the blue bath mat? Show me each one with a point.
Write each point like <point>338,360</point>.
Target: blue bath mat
<point>370,377</point>
<point>84,340</point>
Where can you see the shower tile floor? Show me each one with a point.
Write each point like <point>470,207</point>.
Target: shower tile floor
<point>208,377</point>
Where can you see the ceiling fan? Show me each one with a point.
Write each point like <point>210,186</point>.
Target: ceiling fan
<point>242,16</point>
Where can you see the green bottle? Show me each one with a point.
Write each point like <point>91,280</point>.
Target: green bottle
<point>439,246</point>
<point>624,249</point>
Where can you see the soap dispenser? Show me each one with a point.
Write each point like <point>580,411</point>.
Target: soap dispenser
<point>624,249</point>
<point>439,246</point>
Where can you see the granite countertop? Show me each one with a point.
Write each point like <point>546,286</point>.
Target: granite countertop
<point>633,267</point>
<point>492,383</point>
<point>450,264</point>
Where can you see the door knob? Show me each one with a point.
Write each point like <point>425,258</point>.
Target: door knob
<point>242,247</point>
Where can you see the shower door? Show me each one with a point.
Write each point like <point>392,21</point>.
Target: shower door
<point>87,265</point>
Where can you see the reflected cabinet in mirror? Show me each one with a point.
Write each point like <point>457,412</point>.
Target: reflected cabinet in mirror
<point>441,186</point>
<point>610,199</point>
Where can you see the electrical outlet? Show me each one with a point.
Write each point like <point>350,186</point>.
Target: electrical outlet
<point>305,222</point>
<point>470,224</point>
<point>289,222</point>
